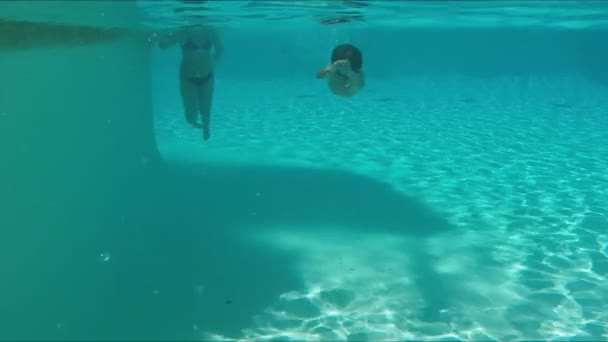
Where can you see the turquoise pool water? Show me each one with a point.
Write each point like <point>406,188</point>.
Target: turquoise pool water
<point>461,195</point>
<point>514,171</point>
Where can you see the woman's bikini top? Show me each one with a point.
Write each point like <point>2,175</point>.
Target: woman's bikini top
<point>190,45</point>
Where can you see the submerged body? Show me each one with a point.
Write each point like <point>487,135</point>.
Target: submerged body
<point>196,71</point>
<point>344,75</point>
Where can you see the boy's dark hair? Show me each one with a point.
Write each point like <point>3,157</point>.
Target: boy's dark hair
<point>349,52</point>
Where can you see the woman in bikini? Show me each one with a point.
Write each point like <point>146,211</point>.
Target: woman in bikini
<point>344,74</point>
<point>196,70</point>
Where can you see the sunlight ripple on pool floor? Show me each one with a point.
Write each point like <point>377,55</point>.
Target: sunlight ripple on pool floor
<point>519,167</point>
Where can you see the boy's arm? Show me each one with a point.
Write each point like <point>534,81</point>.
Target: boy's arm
<point>324,71</point>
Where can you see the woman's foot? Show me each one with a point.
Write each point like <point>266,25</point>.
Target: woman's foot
<point>195,124</point>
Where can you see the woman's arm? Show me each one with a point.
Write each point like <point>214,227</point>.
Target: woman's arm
<point>167,39</point>
<point>218,45</point>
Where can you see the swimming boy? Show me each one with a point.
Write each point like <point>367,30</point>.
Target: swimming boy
<point>344,74</point>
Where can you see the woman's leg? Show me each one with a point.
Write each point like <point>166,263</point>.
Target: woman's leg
<point>189,91</point>
<point>205,98</point>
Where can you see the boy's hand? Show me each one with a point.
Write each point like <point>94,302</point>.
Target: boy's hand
<point>321,73</point>
<point>342,65</point>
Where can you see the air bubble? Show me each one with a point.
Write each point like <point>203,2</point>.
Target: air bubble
<point>104,257</point>
<point>199,290</point>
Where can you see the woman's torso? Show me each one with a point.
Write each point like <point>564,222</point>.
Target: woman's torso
<point>196,47</point>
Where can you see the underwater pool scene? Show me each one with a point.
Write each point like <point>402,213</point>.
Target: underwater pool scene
<point>460,195</point>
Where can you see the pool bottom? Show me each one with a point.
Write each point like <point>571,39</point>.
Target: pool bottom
<point>515,165</point>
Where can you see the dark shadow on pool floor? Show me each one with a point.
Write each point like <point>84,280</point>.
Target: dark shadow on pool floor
<point>192,237</point>
<point>245,196</point>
